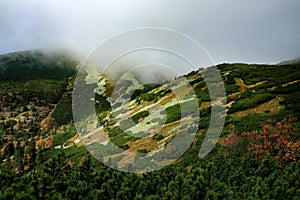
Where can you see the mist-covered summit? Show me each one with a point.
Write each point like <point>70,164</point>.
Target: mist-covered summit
<point>36,64</point>
<point>295,61</point>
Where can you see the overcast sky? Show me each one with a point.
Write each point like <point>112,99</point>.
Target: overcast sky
<point>253,31</point>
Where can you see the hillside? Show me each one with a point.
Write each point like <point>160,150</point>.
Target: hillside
<point>43,156</point>
<point>36,64</point>
<point>253,94</point>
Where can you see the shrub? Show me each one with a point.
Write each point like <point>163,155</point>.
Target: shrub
<point>114,132</point>
<point>231,89</point>
<point>158,137</point>
<point>248,122</point>
<point>204,123</point>
<point>277,140</point>
<point>292,102</point>
<point>125,147</point>
<point>139,115</point>
<point>250,102</point>
<point>287,89</point>
<point>197,80</point>
<point>142,151</point>
<point>148,97</point>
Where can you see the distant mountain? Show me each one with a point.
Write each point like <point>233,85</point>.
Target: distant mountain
<point>295,61</point>
<point>36,64</point>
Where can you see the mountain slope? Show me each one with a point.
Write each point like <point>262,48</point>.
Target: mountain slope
<point>262,104</point>
<point>254,93</point>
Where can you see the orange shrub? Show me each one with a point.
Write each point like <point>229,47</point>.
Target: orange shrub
<point>275,139</point>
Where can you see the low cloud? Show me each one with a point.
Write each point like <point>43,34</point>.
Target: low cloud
<point>231,31</point>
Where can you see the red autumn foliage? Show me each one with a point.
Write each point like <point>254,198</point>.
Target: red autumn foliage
<point>232,142</point>
<point>49,143</point>
<point>275,139</point>
<point>233,96</point>
<point>70,163</point>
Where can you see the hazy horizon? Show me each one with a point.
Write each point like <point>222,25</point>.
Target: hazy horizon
<point>231,31</point>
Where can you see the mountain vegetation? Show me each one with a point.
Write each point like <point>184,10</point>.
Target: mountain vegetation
<point>42,156</point>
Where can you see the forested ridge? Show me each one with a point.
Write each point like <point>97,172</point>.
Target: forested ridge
<point>42,157</point>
